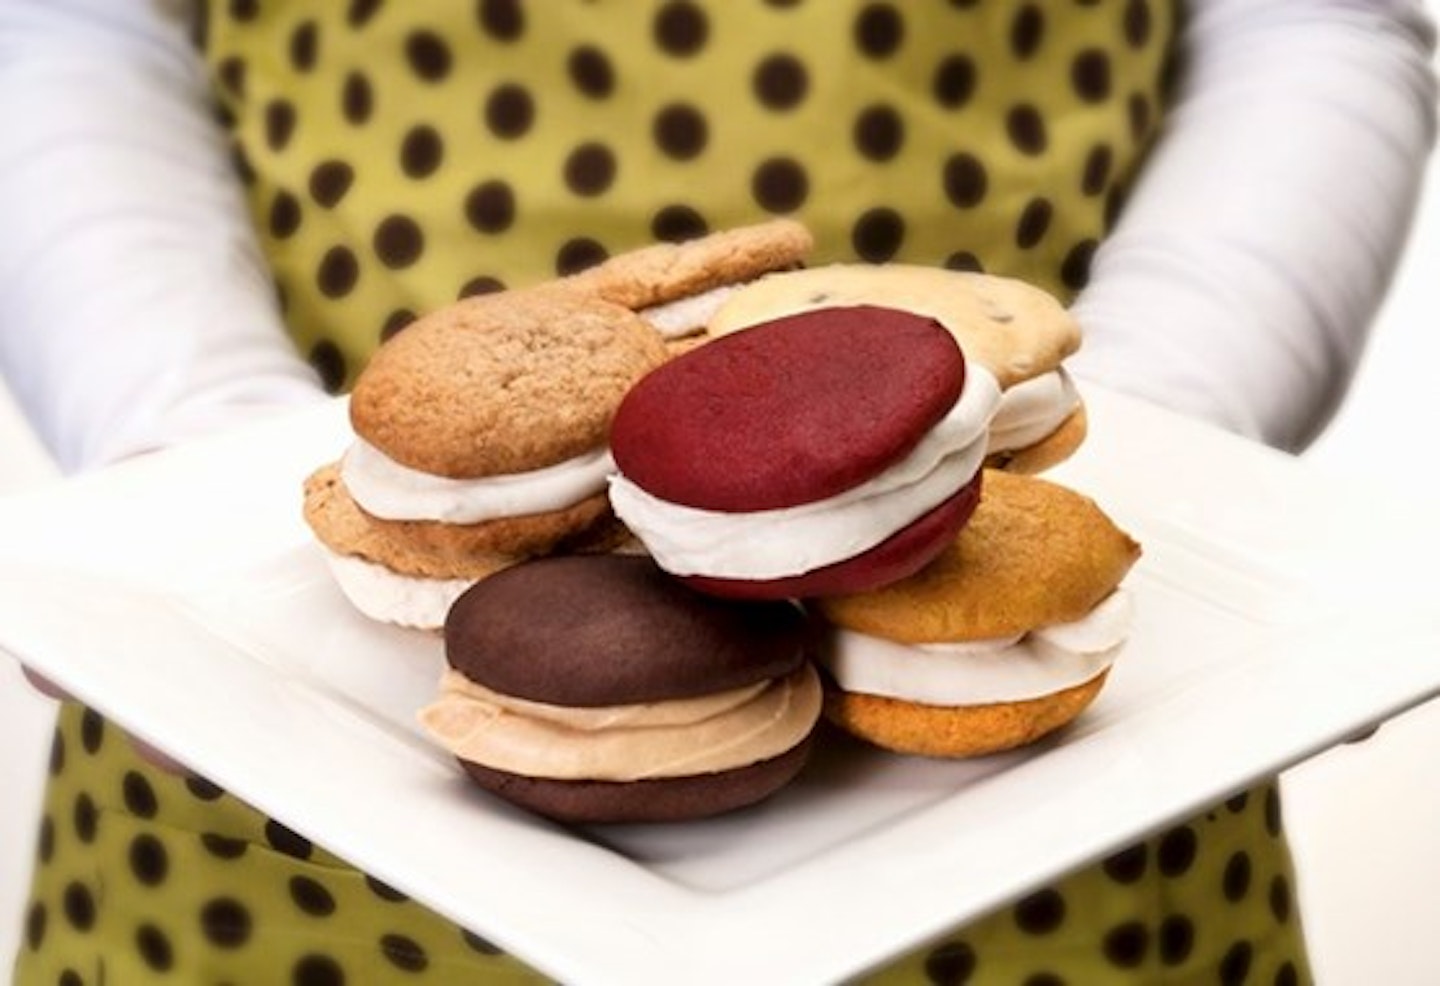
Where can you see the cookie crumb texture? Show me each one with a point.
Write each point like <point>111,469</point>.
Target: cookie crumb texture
<point>504,383</point>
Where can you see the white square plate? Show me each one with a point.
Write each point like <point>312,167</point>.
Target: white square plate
<point>181,595</point>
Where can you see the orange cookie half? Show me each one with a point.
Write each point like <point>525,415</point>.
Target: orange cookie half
<point>1006,636</point>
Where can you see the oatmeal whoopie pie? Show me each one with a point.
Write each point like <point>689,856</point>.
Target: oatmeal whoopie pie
<point>1005,637</point>
<point>599,689</point>
<point>1014,330</point>
<point>825,452</point>
<point>676,287</point>
<point>481,440</point>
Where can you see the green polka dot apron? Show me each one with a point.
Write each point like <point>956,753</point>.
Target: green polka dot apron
<point>401,155</point>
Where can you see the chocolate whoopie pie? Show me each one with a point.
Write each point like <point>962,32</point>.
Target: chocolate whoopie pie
<point>831,451</point>
<point>599,689</point>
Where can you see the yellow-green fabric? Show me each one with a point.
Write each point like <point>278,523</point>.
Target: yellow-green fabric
<point>403,154</point>
<point>146,877</point>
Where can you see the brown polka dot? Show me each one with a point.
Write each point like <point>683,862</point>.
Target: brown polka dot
<point>1114,205</point>
<point>590,169</point>
<point>477,943</point>
<point>1097,169</point>
<point>1176,853</point>
<point>950,964</point>
<point>35,921</point>
<point>954,81</point>
<point>1176,939</point>
<point>1137,23</point>
<point>1280,900</point>
<point>394,322</point>
<point>677,223</point>
<point>1236,880</point>
<point>404,953</point>
<point>79,906</point>
<point>57,755</point>
<point>879,132</point>
<point>84,816</point>
<point>357,99</point>
<point>964,260</point>
<point>1040,913</point>
<point>383,890</point>
<point>1034,223</point>
<point>70,978</point>
<point>244,10</point>
<point>1235,965</point>
<point>966,180</point>
<point>680,131</point>
<point>279,124</point>
<point>287,841</point>
<point>1027,31</point>
<point>503,20</point>
<point>780,81</point>
<point>244,170</point>
<point>317,970</point>
<point>1128,865</point>
<point>304,46</point>
<point>780,185</point>
<point>154,948</point>
<point>92,731</point>
<point>232,72</point>
<point>223,846</point>
<point>577,254</point>
<point>879,30</point>
<point>398,241</point>
<point>1090,75</point>
<point>1273,822</point>
<point>591,72</point>
<point>329,181</point>
<point>329,364</point>
<point>1026,128</point>
<point>360,11</point>
<point>490,207</point>
<point>878,235</point>
<point>338,272</point>
<point>509,111</point>
<point>285,215</point>
<point>1075,268</point>
<point>202,789</point>
<point>225,922</point>
<point>473,288</point>
<point>681,28</point>
<point>149,861</point>
<point>421,151</point>
<point>311,896</point>
<point>1138,110</point>
<point>139,795</point>
<point>429,55</point>
<point>1286,975</point>
<point>45,845</point>
<point>1125,945</point>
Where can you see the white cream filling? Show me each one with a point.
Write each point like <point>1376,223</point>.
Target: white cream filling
<point>1042,662</point>
<point>388,596</point>
<point>771,544</point>
<point>384,488</point>
<point>1032,409</point>
<point>689,315</point>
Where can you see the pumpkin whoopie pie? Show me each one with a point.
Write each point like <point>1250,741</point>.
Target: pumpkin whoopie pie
<point>1005,637</point>
<point>599,689</point>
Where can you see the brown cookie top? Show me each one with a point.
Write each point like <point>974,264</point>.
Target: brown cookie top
<point>665,272</point>
<point>1013,329</point>
<point>1034,553</point>
<point>502,383</point>
<point>614,630</point>
<point>790,412</point>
